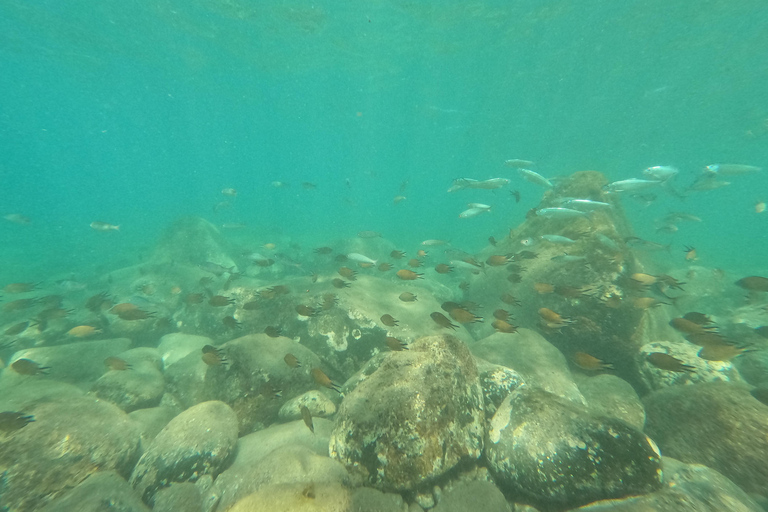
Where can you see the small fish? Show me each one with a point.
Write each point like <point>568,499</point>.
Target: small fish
<point>473,212</point>
<point>384,267</point>
<point>516,195</point>
<point>280,184</point>
<point>698,318</point>
<point>307,417</point>
<point>434,242</point>
<point>421,253</point>
<point>83,331</point>
<point>117,364</point>
<point>360,258</point>
<point>398,199</point>
<point>674,217</point>
<point>662,173</point>
<point>535,178</point>
<point>219,301</point>
<point>567,258</point>
<point>669,363</point>
<point>17,218</point>
<point>408,275</point>
<point>762,331</point>
<point>707,182</point>
<point>463,183</point>
<point>463,316</point>
<point>415,263</point>
<point>395,344</point>
<point>11,421</point>
<point>103,226</point>
<point>519,163</point>
<point>760,207</point>
<point>543,288</point>
<point>443,321</point>
<point>272,331</point>
<point>442,268</point>
<point>17,328</point>
<point>396,254</point>
<point>389,320</point>
<point>503,326</point>
<point>231,323</point>
<point>28,367</point>
<point>589,362</point>
<point>722,352</point>
<point>231,192</point>
<point>557,239</point>
<point>323,250</point>
<point>586,205</point>
<point>407,297</point>
<point>606,242</point>
<point>215,268</point>
<point>690,253</point>
<point>339,283</point>
<point>492,241</point>
<point>20,287</point>
<point>688,327</point>
<point>292,361</point>
<point>731,169</point>
<point>528,242</point>
<point>634,241</point>
<point>631,184</point>
<point>322,379</point>
<point>369,234</point>
<point>553,319</point>
<point>760,394</point>
<point>560,213</point>
<point>306,185</point>
<point>753,283</point>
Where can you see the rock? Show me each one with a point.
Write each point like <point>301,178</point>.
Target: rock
<point>194,241</point>
<point>687,488</point>
<point>414,418</point>
<point>497,382</point>
<point>473,495</point>
<point>248,383</point>
<point>139,387</point>
<point>368,499</point>
<point>716,424</point>
<point>177,345</point>
<point>179,497</point>
<point>73,436</point>
<point>611,396</point>
<point>95,493</point>
<point>199,441</point>
<point>242,477</point>
<point>540,363</point>
<point>704,371</point>
<point>303,497</point>
<point>151,421</point>
<point>753,367</point>
<point>550,453</point>
<point>80,363</point>
<point>319,405</point>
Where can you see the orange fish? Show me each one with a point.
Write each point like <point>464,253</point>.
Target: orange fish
<point>408,275</point>
<point>589,362</point>
<point>322,379</point>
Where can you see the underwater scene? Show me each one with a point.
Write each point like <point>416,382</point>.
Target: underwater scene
<point>384,256</point>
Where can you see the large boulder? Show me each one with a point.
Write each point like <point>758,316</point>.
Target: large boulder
<point>717,424</point>
<point>414,418</point>
<point>609,395</point>
<point>199,441</point>
<point>138,387</point>
<point>97,492</point>
<point>552,454</point>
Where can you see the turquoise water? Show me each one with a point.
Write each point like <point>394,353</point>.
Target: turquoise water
<point>139,114</point>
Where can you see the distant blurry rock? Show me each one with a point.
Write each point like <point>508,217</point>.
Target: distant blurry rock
<point>608,395</point>
<point>475,495</point>
<point>717,424</point>
<point>96,492</point>
<point>254,379</point>
<point>246,474</point>
<point>139,386</point>
<point>319,405</point>
<point>192,240</point>
<point>550,453</point>
<point>416,417</point>
<point>540,363</point>
<point>302,497</point>
<point>687,488</point>
<point>703,370</point>
<point>72,436</point>
<point>199,441</point>
<point>177,345</point>
<point>80,363</point>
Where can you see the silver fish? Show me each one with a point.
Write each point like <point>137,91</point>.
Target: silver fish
<point>661,172</point>
<point>462,183</point>
<point>731,169</point>
<point>557,239</point>
<point>586,204</point>
<point>707,182</point>
<point>479,205</point>
<point>535,178</point>
<point>215,268</point>
<point>519,163</point>
<point>560,213</point>
<point>606,242</point>
<point>354,256</point>
<point>631,184</point>
<point>567,258</point>
<point>434,242</point>
<point>369,234</point>
<point>473,212</point>
<point>639,243</point>
<point>673,217</point>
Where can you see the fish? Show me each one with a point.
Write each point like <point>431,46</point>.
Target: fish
<point>104,226</point>
<point>231,192</point>
<point>408,275</point>
<point>396,254</point>
<point>560,213</point>
<point>543,288</point>
<point>689,327</point>
<point>492,241</point>
<point>501,314</point>
<point>395,344</point>
<point>20,287</point>
<point>415,263</point>
<point>407,297</point>
<point>473,212</point>
<point>667,228</point>
<point>443,321</point>
<point>360,258</point>
<point>83,331</point>
<point>339,283</point>
<point>669,363</point>
<point>510,299</point>
<point>535,178</point>
<point>231,323</point>
<point>690,253</point>
<point>567,258</point>
<point>306,185</point>
<point>606,242</point>
<point>323,250</point>
<point>698,318</point>
<point>519,163</point>
<point>384,267</point>
<point>398,199</point>
<point>272,331</point>
<point>464,316</point>
<point>194,298</point>
<point>753,283</point>
<point>762,331</point>
<point>516,195</point>
<point>215,268</point>
<point>442,268</point>
<point>490,184</point>
<point>117,364</point>
<point>589,362</point>
<point>280,184</point>
<point>292,361</point>
<point>368,234</point>
<point>434,242</point>
<point>18,218</point>
<point>586,205</point>
<point>219,301</point>
<point>19,304</point>
<point>674,217</point>
<point>322,379</point>
<point>528,242</point>
<point>647,302</point>
<point>730,169</point>
<point>10,421</point>
<point>503,326</point>
<point>347,273</point>
<point>307,417</point>
<point>647,245</point>
<point>557,239</point>
<point>497,260</point>
<point>760,207</point>
<point>707,182</point>
<point>722,352</point>
<point>631,184</point>
<point>760,394</point>
<point>25,366</point>
<point>662,173</point>
<point>17,328</point>
<point>552,319</point>
<point>389,321</point>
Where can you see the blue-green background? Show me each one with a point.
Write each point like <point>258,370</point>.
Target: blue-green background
<point>136,113</point>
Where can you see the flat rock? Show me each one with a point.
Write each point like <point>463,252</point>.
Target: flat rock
<point>199,441</point>
<point>139,387</point>
<point>537,361</point>
<point>303,497</point>
<point>179,497</point>
<point>73,436</point>
<point>687,488</point>
<point>612,396</point>
<point>414,418</point>
<point>551,453</point>
<point>718,424</point>
<point>473,495</point>
<point>95,492</point>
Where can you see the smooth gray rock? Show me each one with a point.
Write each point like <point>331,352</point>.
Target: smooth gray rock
<point>179,497</point>
<point>139,387</point>
<point>474,495</point>
<point>199,441</point>
<point>319,405</point>
<point>151,421</point>
<point>718,424</point>
<point>497,382</point>
<point>96,493</point>
<point>611,396</point>
<point>177,345</point>
<point>551,453</point>
<point>414,418</point>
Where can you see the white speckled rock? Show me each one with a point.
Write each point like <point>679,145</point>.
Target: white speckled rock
<point>704,371</point>
<point>319,405</point>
